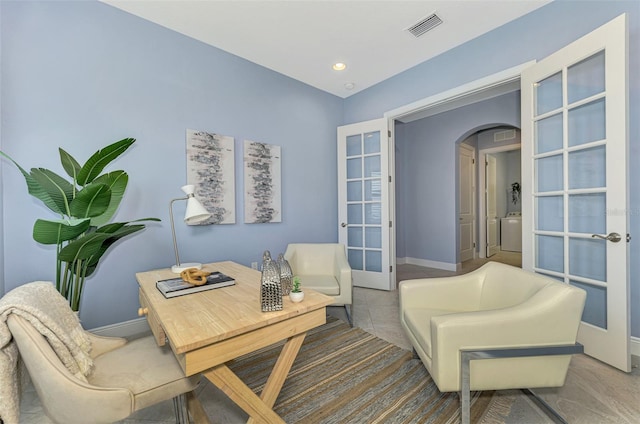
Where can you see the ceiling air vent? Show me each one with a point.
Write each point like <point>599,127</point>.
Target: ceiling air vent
<point>426,24</point>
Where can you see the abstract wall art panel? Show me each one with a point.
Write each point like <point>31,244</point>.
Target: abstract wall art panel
<point>262,183</point>
<point>211,168</point>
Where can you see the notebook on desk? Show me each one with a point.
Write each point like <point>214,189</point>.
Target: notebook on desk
<point>173,287</point>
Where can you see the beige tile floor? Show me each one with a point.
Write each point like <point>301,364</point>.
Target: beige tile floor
<point>594,393</point>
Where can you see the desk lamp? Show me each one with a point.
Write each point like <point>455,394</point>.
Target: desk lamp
<point>195,213</point>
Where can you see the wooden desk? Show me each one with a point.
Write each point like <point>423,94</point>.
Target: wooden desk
<point>208,329</point>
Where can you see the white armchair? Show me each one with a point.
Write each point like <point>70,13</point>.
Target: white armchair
<point>494,307</point>
<point>323,267</point>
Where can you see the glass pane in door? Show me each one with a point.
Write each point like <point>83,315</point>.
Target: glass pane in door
<point>587,168</point>
<point>595,308</point>
<point>587,123</point>
<point>548,94</point>
<point>586,78</point>
<point>588,258</point>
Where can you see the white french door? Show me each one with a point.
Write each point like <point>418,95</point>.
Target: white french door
<point>363,201</point>
<point>574,163</point>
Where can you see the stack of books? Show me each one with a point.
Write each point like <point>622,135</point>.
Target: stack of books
<point>173,287</point>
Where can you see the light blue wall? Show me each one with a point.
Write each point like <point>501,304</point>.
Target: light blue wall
<point>534,36</point>
<point>80,75</point>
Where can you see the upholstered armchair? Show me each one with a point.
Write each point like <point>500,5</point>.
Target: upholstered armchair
<point>124,376</point>
<point>323,267</point>
<point>495,313</point>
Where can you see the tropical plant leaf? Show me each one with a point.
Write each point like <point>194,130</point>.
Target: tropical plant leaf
<point>115,226</point>
<point>58,189</point>
<point>93,246</point>
<point>115,236</point>
<point>93,200</point>
<point>97,162</point>
<point>117,181</point>
<point>70,165</point>
<point>55,232</point>
<point>82,248</point>
<point>35,189</point>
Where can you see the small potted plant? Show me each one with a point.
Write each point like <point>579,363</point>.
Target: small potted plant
<point>296,294</point>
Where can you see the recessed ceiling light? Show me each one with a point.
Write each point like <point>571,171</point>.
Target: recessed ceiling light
<point>339,66</point>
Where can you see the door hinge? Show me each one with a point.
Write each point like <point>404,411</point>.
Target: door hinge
<point>390,224</point>
<point>473,161</point>
<point>389,133</point>
<point>390,268</point>
<point>389,178</point>
<point>474,245</point>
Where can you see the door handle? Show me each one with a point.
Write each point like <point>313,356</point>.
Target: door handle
<point>612,237</point>
<point>343,224</point>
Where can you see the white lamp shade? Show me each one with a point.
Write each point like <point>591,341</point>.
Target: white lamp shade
<point>195,212</point>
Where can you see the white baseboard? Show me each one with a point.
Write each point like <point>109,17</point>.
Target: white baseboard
<point>635,346</point>
<point>427,263</point>
<point>123,329</point>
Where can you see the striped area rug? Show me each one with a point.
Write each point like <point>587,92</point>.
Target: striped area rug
<point>346,375</point>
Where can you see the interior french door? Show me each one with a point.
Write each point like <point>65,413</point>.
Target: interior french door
<point>574,142</point>
<point>363,201</point>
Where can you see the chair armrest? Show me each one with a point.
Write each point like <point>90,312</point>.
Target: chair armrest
<point>101,344</point>
<point>342,273</point>
<point>457,293</point>
<point>342,270</point>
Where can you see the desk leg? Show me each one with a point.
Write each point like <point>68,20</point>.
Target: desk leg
<point>241,394</point>
<point>280,371</point>
<point>259,408</point>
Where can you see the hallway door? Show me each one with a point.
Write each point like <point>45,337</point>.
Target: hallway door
<point>574,163</point>
<point>492,207</point>
<point>467,201</point>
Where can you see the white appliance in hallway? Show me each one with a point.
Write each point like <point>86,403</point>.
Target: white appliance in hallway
<point>511,232</point>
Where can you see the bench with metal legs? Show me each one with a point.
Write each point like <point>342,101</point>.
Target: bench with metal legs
<point>468,355</point>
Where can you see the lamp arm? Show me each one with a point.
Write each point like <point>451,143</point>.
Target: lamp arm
<point>173,228</point>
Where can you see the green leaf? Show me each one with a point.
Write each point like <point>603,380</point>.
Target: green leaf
<point>117,181</point>
<point>55,232</point>
<point>70,165</point>
<point>93,246</point>
<point>83,248</point>
<point>97,162</point>
<point>59,190</point>
<point>93,200</point>
<point>35,189</point>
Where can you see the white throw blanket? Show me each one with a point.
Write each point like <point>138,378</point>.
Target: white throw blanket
<point>49,313</point>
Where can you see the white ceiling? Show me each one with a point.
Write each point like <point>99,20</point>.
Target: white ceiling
<point>303,38</point>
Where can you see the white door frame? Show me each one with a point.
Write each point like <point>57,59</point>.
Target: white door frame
<point>472,92</point>
<point>482,219</point>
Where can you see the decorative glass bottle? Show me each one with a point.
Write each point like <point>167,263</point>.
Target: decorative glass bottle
<point>286,274</point>
<point>270,289</point>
